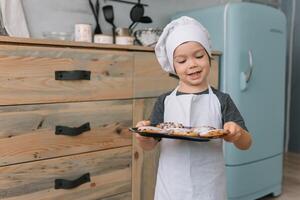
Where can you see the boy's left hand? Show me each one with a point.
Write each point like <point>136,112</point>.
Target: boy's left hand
<point>235,132</point>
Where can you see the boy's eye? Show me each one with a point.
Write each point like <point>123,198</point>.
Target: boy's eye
<point>199,56</point>
<point>180,61</point>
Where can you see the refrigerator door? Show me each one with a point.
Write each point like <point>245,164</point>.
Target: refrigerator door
<point>254,76</point>
<point>252,38</point>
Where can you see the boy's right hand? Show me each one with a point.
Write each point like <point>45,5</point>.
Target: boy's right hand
<point>143,123</point>
<point>147,143</point>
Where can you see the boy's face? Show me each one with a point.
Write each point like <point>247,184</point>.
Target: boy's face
<point>191,63</point>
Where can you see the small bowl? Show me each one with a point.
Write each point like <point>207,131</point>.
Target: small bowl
<point>58,36</point>
<point>103,39</point>
<point>147,36</point>
<point>124,40</point>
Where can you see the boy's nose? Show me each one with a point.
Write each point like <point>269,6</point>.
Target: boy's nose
<point>192,63</point>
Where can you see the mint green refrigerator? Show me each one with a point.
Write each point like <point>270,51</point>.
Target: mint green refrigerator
<point>252,38</point>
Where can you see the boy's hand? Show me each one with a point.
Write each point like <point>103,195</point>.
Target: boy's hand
<point>237,135</point>
<point>147,143</point>
<point>143,123</point>
<point>235,132</point>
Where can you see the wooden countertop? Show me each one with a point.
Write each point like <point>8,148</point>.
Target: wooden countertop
<point>61,43</point>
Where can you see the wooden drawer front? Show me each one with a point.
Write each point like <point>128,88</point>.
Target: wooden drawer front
<point>149,79</point>
<point>110,177</point>
<point>214,72</point>
<point>144,163</point>
<point>28,132</point>
<point>28,75</point>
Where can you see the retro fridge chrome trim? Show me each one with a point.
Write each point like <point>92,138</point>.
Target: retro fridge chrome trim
<point>252,38</point>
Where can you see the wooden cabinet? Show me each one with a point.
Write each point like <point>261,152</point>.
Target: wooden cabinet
<point>65,109</point>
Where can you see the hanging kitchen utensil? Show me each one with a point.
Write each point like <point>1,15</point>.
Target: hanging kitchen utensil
<point>144,19</point>
<point>108,12</point>
<point>126,2</point>
<point>97,7</point>
<point>136,13</point>
<point>95,10</point>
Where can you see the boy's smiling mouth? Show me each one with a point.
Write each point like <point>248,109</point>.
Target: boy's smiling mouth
<point>195,75</point>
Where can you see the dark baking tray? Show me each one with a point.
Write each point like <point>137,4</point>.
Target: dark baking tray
<point>165,135</point>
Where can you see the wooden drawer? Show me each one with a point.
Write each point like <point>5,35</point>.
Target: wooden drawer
<point>149,80</point>
<point>110,177</point>
<point>28,75</point>
<point>28,132</point>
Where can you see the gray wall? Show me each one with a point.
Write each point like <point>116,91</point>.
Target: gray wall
<point>294,142</point>
<point>61,15</point>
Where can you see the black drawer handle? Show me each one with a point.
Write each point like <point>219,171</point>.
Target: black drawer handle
<point>69,184</point>
<point>173,76</point>
<point>73,75</point>
<point>70,131</point>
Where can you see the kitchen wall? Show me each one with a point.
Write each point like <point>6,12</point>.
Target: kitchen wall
<point>294,115</point>
<point>61,15</point>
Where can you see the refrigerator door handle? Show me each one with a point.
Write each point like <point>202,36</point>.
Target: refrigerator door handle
<point>249,72</point>
<point>246,76</point>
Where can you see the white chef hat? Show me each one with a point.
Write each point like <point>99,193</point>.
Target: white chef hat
<point>177,32</point>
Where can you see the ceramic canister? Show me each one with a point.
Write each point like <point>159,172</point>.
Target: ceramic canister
<point>83,33</point>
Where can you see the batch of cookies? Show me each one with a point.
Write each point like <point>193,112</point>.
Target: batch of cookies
<point>177,129</point>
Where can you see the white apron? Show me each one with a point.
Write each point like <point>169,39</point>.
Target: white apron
<point>191,170</point>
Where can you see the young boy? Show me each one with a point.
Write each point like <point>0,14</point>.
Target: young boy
<point>192,170</point>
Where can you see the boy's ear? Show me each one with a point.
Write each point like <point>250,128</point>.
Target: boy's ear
<point>173,76</point>
<point>210,59</point>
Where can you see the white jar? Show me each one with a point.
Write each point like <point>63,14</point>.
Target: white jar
<point>83,33</point>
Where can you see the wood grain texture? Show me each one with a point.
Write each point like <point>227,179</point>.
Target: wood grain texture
<point>144,163</point>
<point>63,44</point>
<point>110,175</point>
<point>214,72</point>
<point>149,80</point>
<point>28,132</point>
<point>5,40</point>
<point>28,75</point>
<point>122,196</point>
